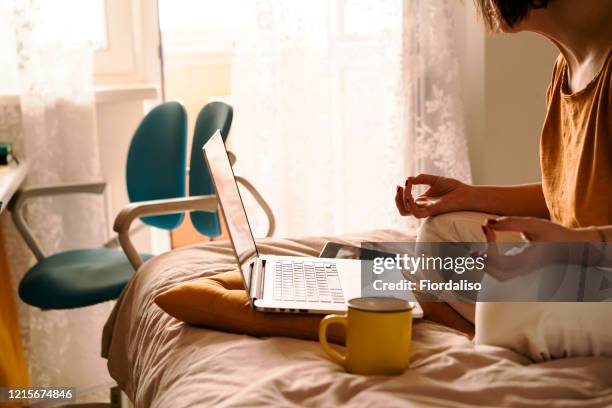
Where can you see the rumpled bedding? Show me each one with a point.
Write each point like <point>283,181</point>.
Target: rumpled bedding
<point>161,362</point>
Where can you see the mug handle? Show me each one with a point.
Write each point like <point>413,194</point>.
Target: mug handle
<point>326,321</point>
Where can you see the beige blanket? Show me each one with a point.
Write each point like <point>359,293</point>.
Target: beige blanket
<point>160,362</point>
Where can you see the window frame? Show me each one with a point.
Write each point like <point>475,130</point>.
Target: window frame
<point>132,53</point>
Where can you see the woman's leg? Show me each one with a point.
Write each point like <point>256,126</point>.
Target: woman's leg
<point>461,226</point>
<point>547,330</point>
<point>540,330</point>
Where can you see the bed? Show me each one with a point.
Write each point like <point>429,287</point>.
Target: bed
<point>161,362</point>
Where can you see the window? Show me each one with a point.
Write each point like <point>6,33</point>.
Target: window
<point>202,15</point>
<point>124,34</point>
<point>359,18</point>
<point>92,21</point>
<point>112,31</point>
<point>106,24</point>
<point>202,28</point>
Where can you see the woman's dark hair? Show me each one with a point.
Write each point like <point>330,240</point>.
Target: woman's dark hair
<point>510,11</point>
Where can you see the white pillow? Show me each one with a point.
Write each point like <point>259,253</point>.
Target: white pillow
<point>547,330</point>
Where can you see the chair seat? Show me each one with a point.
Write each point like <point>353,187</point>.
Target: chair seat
<point>76,278</point>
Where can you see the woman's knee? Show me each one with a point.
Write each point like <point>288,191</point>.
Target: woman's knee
<point>460,226</point>
<point>436,228</point>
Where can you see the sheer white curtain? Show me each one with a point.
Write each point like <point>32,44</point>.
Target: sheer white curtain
<point>338,101</point>
<point>430,78</point>
<point>53,127</point>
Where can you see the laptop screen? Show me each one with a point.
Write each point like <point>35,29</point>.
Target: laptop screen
<point>231,204</point>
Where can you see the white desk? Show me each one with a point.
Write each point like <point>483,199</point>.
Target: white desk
<point>11,177</point>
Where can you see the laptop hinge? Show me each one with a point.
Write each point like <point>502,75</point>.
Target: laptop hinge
<point>257,279</point>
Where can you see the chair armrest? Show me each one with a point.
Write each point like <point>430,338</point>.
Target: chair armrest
<point>95,187</point>
<point>132,211</point>
<point>27,193</point>
<point>260,200</point>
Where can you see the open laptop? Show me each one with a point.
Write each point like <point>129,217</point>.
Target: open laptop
<point>286,284</point>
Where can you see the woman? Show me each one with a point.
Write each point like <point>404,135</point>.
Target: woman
<point>573,203</point>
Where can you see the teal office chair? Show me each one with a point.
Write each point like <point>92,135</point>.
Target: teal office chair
<point>155,170</point>
<point>215,116</point>
<point>202,201</point>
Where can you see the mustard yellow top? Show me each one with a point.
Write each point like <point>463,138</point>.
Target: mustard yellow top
<point>576,150</point>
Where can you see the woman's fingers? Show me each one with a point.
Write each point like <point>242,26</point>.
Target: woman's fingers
<point>427,179</point>
<point>412,207</point>
<point>506,223</point>
<point>408,192</point>
<point>424,207</point>
<point>433,205</point>
<point>420,211</point>
<point>400,202</point>
<point>421,208</point>
<point>406,205</point>
<point>488,233</point>
<point>497,263</point>
<point>415,209</point>
<point>524,225</point>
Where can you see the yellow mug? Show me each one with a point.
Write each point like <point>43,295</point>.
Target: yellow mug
<point>378,334</point>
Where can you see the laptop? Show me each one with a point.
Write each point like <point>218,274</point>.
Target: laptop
<point>286,284</point>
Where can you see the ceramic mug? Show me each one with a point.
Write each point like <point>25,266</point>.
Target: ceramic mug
<point>378,335</point>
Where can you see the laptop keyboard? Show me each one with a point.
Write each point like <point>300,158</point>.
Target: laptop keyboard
<point>307,282</point>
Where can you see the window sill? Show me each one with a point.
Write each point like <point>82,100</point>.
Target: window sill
<point>120,93</point>
<point>103,93</point>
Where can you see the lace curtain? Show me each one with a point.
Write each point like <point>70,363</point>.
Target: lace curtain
<point>53,127</point>
<point>337,102</point>
<point>430,78</point>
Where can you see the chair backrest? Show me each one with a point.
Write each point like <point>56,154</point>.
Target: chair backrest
<point>156,160</point>
<point>215,115</point>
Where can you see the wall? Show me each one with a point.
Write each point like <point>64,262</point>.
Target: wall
<point>505,77</point>
<point>119,111</point>
<point>518,70</point>
<point>194,83</point>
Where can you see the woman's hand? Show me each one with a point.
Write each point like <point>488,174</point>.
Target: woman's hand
<point>536,230</point>
<point>530,258</point>
<point>443,195</point>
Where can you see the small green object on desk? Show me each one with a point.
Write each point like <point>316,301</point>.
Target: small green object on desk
<point>5,153</point>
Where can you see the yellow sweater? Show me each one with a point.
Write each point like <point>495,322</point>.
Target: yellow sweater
<point>576,150</point>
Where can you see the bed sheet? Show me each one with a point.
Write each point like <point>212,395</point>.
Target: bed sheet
<point>161,362</point>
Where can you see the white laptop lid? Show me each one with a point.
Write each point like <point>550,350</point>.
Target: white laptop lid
<point>235,216</point>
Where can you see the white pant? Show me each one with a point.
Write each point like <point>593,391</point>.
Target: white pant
<point>541,330</point>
